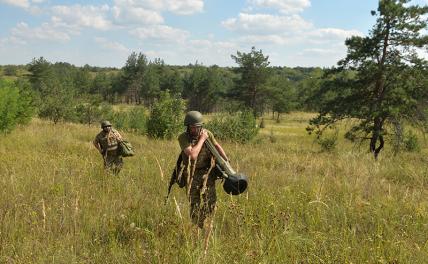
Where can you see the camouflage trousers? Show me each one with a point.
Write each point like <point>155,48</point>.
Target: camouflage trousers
<point>113,161</point>
<point>202,196</point>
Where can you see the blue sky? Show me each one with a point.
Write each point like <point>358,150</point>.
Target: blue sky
<point>104,33</point>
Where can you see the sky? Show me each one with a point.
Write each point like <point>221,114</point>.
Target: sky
<point>104,33</point>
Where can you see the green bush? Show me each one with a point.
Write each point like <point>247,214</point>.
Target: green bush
<point>138,120</point>
<point>120,120</point>
<point>15,104</point>
<point>236,127</point>
<point>56,101</point>
<point>92,112</point>
<point>166,117</point>
<point>328,142</point>
<point>87,113</point>
<point>411,142</point>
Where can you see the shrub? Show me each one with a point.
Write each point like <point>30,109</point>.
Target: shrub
<point>120,120</point>
<point>15,105</point>
<point>87,113</point>
<point>328,142</point>
<point>411,142</point>
<point>166,117</point>
<point>237,127</point>
<point>138,120</point>
<point>57,101</point>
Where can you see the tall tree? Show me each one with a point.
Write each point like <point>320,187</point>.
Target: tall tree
<point>282,95</point>
<point>202,88</point>
<point>57,102</point>
<point>381,82</point>
<point>133,75</point>
<point>41,72</point>
<point>171,81</point>
<point>254,73</point>
<point>150,84</point>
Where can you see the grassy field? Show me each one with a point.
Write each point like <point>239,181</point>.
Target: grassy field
<point>302,206</point>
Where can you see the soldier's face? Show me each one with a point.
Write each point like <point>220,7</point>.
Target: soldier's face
<point>195,130</point>
<point>107,128</point>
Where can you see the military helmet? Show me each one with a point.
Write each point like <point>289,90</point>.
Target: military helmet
<point>193,118</point>
<point>105,123</point>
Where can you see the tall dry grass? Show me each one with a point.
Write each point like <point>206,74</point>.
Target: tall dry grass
<point>58,206</point>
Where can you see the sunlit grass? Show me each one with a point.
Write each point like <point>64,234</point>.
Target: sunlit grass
<point>303,206</point>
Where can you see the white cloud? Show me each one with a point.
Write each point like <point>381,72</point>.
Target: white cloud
<point>18,3</point>
<point>111,45</point>
<point>205,51</point>
<point>284,6</point>
<point>334,33</point>
<point>161,33</point>
<point>129,14</point>
<point>86,16</point>
<point>185,7</point>
<point>324,36</point>
<point>21,3</point>
<point>326,56</point>
<point>11,41</point>
<point>181,7</point>
<point>46,31</point>
<point>209,45</point>
<point>272,39</point>
<point>319,52</point>
<point>265,24</point>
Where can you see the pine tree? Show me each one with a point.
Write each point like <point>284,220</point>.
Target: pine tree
<point>382,82</point>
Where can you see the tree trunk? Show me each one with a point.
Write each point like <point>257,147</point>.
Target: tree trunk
<point>377,136</point>
<point>253,101</point>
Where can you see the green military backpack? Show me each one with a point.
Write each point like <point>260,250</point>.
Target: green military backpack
<point>126,149</point>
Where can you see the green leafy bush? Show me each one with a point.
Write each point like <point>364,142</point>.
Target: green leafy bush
<point>88,113</point>
<point>411,142</point>
<point>236,127</point>
<point>328,142</point>
<point>166,117</point>
<point>15,104</point>
<point>138,120</point>
<point>56,101</point>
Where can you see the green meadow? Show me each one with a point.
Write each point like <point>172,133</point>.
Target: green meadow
<point>57,205</point>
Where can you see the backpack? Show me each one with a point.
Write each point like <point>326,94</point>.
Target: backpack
<point>125,149</point>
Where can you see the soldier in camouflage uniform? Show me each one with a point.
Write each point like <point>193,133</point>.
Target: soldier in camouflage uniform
<point>107,144</point>
<point>199,163</point>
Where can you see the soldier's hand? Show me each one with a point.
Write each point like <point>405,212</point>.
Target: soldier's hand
<point>204,135</point>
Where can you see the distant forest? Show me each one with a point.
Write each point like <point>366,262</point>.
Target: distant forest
<point>204,88</point>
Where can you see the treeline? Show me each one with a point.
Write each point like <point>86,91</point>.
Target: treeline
<point>206,89</point>
<point>161,93</point>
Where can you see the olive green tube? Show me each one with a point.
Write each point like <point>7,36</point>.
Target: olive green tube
<point>224,165</point>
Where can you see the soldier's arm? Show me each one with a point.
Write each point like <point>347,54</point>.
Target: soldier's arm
<point>218,147</point>
<point>221,151</point>
<point>97,145</point>
<point>193,151</point>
